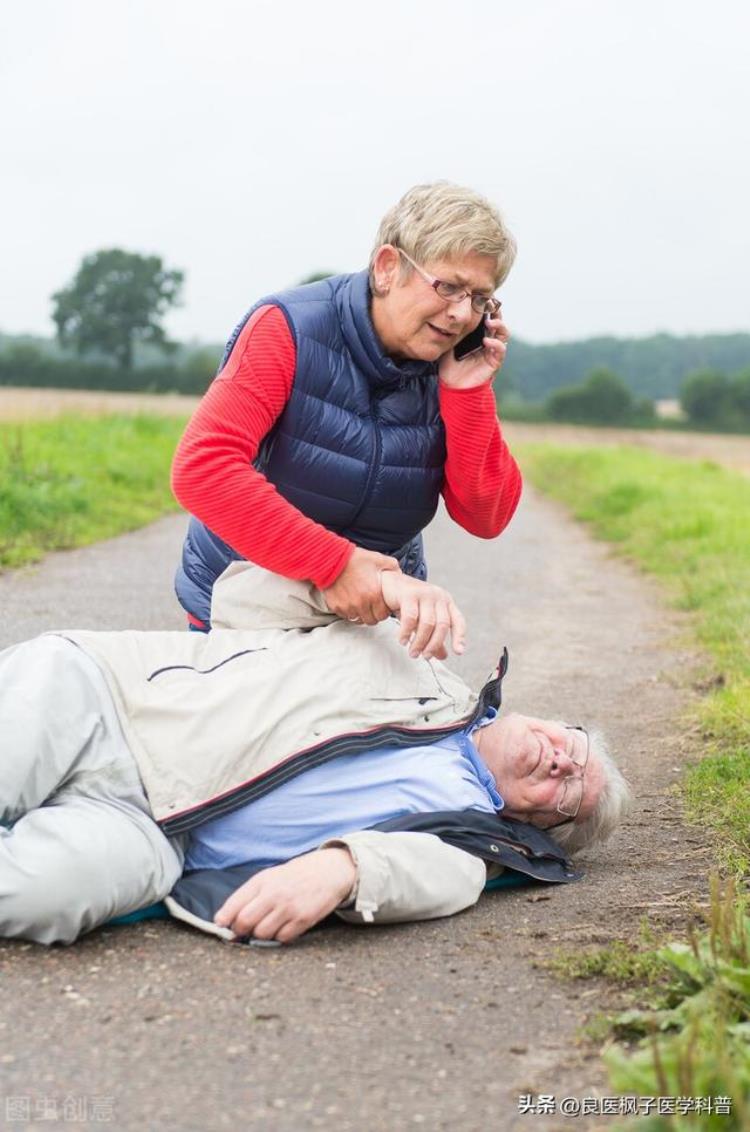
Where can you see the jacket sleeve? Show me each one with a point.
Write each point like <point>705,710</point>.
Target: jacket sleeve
<point>482,479</point>
<point>408,876</point>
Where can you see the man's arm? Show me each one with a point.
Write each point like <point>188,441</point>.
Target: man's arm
<point>409,876</point>
<point>247,597</point>
<point>366,877</point>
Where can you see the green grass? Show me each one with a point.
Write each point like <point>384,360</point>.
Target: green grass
<point>619,962</point>
<point>688,524</point>
<point>74,480</point>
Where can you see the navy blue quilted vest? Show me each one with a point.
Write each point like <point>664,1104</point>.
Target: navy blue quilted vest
<point>359,447</point>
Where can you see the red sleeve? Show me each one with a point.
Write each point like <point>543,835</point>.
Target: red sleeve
<point>212,473</point>
<point>482,480</point>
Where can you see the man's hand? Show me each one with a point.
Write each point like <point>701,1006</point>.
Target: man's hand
<point>356,593</point>
<point>284,901</point>
<point>427,614</point>
<point>479,368</point>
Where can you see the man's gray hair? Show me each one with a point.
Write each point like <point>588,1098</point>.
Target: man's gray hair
<point>445,221</point>
<point>614,802</point>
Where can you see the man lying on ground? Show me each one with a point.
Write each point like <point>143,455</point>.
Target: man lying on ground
<point>131,756</point>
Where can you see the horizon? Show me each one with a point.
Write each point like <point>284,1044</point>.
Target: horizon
<point>202,343</point>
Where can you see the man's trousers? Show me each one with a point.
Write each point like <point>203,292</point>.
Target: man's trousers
<point>77,842</point>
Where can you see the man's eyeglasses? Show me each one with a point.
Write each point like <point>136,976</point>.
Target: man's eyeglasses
<point>572,795</point>
<point>454,292</point>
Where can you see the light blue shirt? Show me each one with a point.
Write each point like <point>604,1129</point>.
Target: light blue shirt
<point>344,795</point>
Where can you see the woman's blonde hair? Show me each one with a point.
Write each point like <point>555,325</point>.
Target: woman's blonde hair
<point>445,221</point>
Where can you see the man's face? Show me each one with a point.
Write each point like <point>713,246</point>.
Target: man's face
<point>531,760</point>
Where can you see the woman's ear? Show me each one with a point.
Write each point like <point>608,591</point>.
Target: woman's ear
<point>385,268</point>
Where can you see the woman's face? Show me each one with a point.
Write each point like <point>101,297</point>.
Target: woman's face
<point>411,319</point>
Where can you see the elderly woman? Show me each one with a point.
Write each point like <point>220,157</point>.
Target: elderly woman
<point>340,414</point>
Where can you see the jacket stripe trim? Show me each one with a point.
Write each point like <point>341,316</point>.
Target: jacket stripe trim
<point>202,671</point>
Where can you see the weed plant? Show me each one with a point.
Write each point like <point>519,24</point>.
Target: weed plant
<point>698,1045</point>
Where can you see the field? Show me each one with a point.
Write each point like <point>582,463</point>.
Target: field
<point>24,404</point>
<point>729,451</point>
<point>18,404</point>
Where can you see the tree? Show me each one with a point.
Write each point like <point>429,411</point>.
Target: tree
<point>116,299</point>
<point>706,397</point>
<point>198,369</point>
<point>601,399</point>
<point>741,397</point>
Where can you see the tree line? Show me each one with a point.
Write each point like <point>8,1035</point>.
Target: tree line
<point>709,399</point>
<point>654,367</point>
<point>110,315</point>
<point>33,363</point>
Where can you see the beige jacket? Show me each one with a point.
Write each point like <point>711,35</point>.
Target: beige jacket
<point>207,716</point>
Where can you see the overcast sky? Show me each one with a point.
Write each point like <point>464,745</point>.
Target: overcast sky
<point>251,143</point>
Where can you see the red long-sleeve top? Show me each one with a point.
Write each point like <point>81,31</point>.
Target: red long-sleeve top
<point>213,476</point>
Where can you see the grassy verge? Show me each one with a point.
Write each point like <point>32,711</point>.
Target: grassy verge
<point>73,480</point>
<point>687,524</point>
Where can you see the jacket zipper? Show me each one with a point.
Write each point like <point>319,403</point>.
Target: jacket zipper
<point>353,743</point>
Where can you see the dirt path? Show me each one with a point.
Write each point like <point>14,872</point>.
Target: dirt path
<point>442,1024</point>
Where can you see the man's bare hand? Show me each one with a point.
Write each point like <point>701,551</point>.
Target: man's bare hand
<point>284,901</point>
<point>356,593</point>
<point>427,615</point>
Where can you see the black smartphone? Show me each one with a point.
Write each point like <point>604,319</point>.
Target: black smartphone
<point>473,342</point>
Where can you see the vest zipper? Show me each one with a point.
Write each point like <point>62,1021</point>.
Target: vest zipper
<point>373,471</point>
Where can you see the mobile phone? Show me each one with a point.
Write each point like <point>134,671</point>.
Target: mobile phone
<point>473,342</point>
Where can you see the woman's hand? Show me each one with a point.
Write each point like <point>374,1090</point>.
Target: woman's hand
<point>427,615</point>
<point>356,594</point>
<point>284,901</point>
<point>480,367</point>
